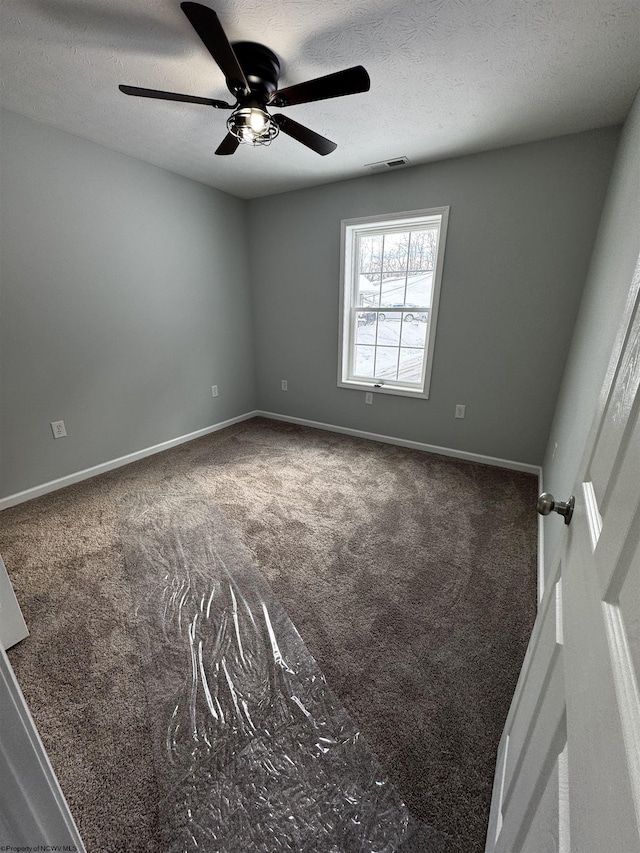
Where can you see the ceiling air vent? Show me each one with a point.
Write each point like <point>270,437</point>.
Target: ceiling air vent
<point>384,165</point>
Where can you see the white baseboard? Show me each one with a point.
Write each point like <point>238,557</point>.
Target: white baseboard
<point>403,442</point>
<point>78,476</point>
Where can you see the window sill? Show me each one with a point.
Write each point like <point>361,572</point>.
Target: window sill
<point>398,391</point>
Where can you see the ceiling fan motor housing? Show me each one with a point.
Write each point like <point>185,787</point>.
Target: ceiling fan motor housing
<point>260,65</point>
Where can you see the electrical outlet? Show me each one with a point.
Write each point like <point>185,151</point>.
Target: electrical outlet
<point>214,390</point>
<point>58,429</point>
<point>368,398</point>
<point>460,408</point>
<point>284,385</point>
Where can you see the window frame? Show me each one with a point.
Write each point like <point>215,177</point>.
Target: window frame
<point>351,229</point>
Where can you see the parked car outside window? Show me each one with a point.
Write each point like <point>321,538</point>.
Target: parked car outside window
<point>409,316</point>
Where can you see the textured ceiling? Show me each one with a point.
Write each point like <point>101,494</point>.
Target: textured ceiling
<point>448,77</point>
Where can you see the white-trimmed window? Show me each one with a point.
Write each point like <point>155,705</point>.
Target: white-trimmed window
<point>390,288</point>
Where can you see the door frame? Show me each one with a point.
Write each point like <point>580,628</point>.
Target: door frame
<point>33,810</point>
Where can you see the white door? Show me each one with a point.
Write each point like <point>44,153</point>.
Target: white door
<point>33,811</point>
<point>34,814</point>
<point>568,769</point>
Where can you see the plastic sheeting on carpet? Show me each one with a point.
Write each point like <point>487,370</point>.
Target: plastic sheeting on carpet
<point>253,752</point>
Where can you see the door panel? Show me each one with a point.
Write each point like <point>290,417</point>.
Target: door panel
<point>549,828</point>
<point>601,812</point>
<point>620,514</point>
<point>613,430</point>
<point>533,740</point>
<point>628,601</point>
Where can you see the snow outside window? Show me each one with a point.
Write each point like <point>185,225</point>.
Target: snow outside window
<point>390,287</point>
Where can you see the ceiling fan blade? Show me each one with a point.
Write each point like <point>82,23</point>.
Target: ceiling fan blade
<point>319,144</point>
<point>228,144</point>
<point>174,96</point>
<point>348,82</point>
<point>207,24</point>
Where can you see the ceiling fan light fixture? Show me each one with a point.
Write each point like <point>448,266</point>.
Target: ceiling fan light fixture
<point>252,125</point>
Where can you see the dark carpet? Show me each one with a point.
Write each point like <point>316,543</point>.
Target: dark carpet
<point>410,577</point>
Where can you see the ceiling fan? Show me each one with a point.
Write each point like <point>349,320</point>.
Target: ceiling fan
<point>251,72</point>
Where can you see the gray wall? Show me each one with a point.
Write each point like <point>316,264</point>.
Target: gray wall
<point>521,228</point>
<point>613,262</point>
<point>124,297</point>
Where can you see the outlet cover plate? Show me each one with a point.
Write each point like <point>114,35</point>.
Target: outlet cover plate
<point>58,429</point>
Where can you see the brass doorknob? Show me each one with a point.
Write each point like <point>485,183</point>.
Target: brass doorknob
<point>547,503</point>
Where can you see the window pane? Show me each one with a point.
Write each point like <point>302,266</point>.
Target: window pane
<point>411,364</point>
<point>396,247</point>
<point>414,331</point>
<point>386,363</point>
<point>389,329</point>
<point>393,289</point>
<point>422,249</point>
<point>369,289</point>
<point>364,360</point>
<point>366,323</point>
<point>419,286</point>
<point>370,259</point>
